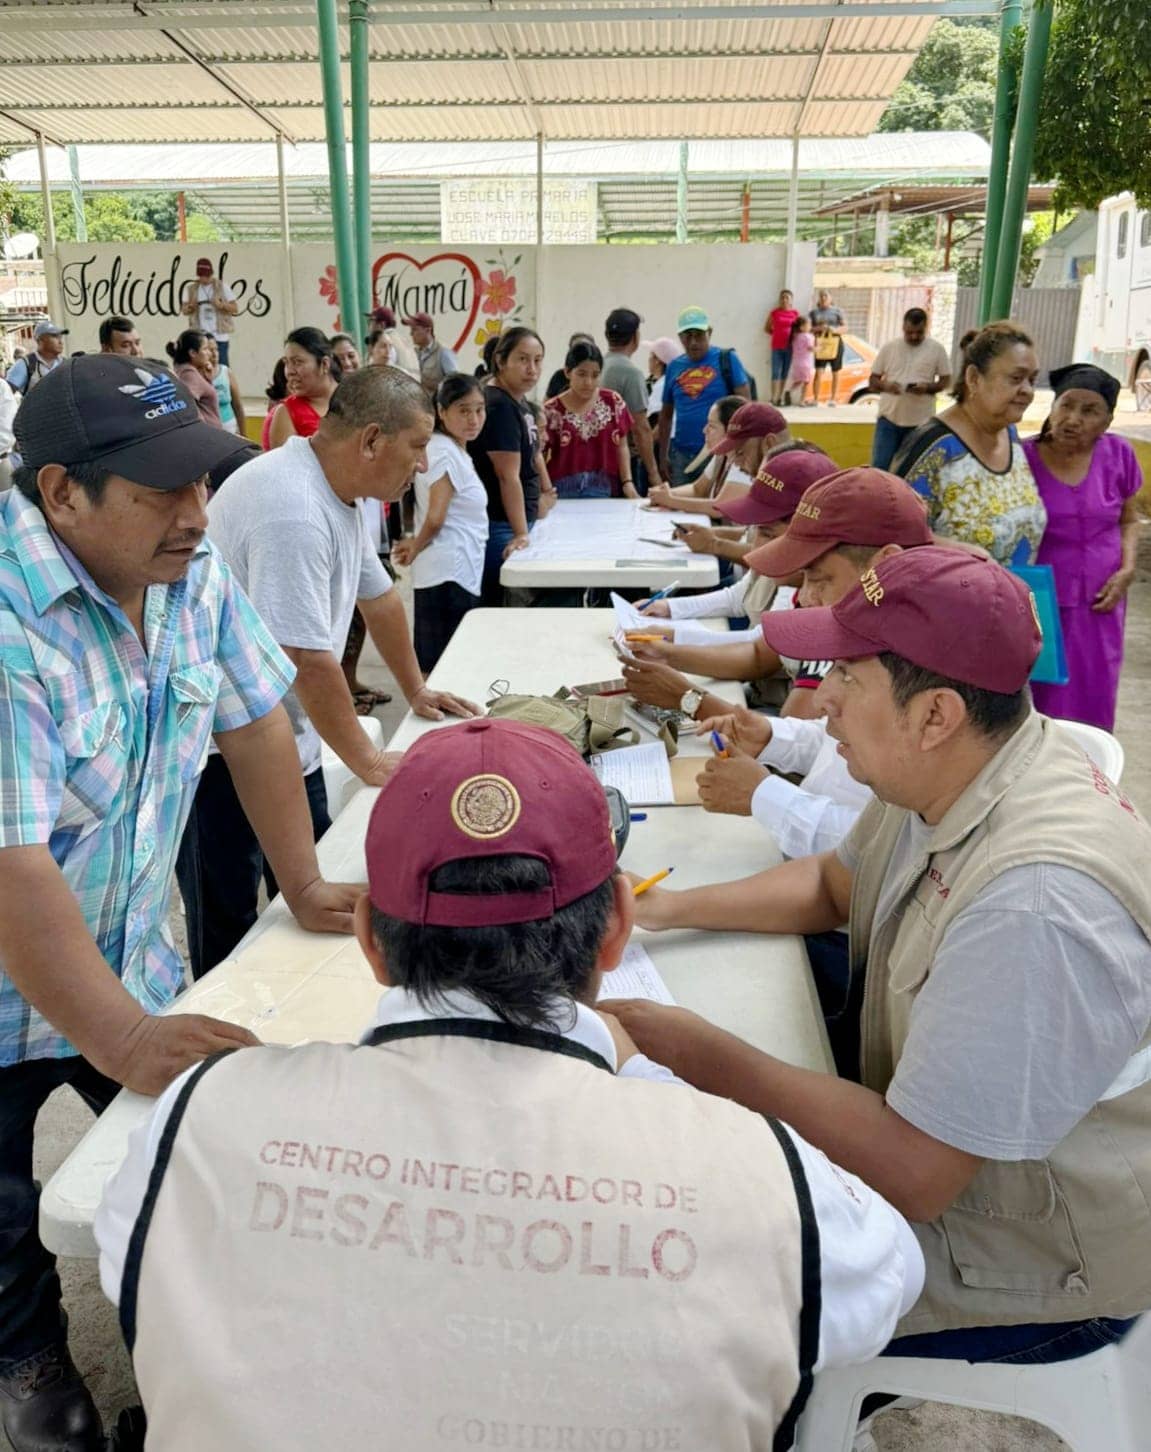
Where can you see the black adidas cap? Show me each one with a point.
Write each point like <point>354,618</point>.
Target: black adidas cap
<point>129,415</point>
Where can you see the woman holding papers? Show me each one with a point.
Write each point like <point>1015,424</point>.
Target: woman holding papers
<point>447,551</point>
<point>715,476</point>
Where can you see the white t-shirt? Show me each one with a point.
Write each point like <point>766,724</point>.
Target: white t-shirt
<point>899,362</point>
<point>871,1267</point>
<point>457,552</point>
<point>301,555</point>
<point>206,319</point>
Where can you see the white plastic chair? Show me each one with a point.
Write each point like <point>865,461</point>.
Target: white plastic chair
<point>1097,1403</point>
<point>340,783</point>
<point>1100,746</point>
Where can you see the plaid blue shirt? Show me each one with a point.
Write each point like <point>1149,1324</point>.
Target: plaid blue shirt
<point>102,743</point>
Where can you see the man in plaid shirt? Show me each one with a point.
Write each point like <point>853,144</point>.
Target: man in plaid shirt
<point>125,647</point>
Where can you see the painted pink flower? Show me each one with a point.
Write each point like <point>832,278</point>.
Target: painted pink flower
<point>499,293</point>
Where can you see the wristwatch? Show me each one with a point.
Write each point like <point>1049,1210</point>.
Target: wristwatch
<point>690,702</point>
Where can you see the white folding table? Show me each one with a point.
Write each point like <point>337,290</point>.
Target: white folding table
<point>606,543</point>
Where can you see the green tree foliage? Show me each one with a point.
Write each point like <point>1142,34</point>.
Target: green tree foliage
<point>951,85</point>
<point>1094,131</point>
<point>111,216</point>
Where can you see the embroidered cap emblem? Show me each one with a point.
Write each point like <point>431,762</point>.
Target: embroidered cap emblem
<point>872,589</point>
<point>485,807</point>
<point>153,388</point>
<point>809,511</point>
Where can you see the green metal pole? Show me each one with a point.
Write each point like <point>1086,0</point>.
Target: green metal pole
<point>361,156</point>
<point>337,161</point>
<point>77,196</point>
<point>1009,18</point>
<point>1015,202</point>
<point>681,195</point>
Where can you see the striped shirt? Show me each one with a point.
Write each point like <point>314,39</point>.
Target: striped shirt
<point>102,742</point>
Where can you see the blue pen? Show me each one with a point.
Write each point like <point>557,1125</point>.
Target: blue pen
<point>639,816</point>
<point>717,745</point>
<point>664,593</point>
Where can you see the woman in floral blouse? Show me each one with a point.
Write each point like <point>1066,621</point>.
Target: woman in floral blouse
<point>586,429</point>
<point>968,463</point>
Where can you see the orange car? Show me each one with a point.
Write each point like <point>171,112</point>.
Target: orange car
<point>851,381</point>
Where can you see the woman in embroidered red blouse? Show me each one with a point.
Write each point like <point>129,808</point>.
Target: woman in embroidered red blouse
<point>587,433</point>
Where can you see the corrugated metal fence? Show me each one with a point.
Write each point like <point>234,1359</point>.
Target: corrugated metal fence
<point>1048,313</point>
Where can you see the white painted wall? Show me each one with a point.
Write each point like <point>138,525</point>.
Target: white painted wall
<point>468,289</point>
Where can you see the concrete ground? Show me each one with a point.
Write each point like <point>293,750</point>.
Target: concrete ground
<point>95,1335</point>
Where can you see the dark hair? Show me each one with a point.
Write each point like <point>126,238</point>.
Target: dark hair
<point>797,326</point>
<point>583,353</point>
<point>453,387</point>
<point>507,343</point>
<point>190,341</point>
<point>916,316</point>
<point>728,407</point>
<point>343,338</point>
<point>92,478</point>
<point>979,351</point>
<point>277,390</point>
<point>858,555</point>
<point>487,353</point>
<point>621,327</point>
<point>518,970</point>
<point>315,342</point>
<point>992,713</point>
<point>114,325</point>
<point>789,446</point>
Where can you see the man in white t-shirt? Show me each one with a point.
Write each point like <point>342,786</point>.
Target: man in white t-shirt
<point>907,374</point>
<point>212,306</point>
<point>289,526</point>
<point>577,1242</point>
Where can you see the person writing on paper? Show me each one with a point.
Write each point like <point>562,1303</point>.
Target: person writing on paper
<point>843,526</point>
<point>288,525</point>
<point>506,1162</point>
<point>1087,479</point>
<point>1000,917</point>
<point>725,472</point>
<point>654,672</point>
<point>126,645</point>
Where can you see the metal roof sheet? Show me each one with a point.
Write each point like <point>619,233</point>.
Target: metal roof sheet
<point>455,70</point>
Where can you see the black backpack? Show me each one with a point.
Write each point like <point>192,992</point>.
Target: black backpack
<point>725,357</point>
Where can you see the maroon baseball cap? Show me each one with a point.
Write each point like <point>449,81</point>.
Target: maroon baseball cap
<point>943,609</point>
<point>752,421</point>
<point>383,317</point>
<point>853,507</point>
<point>420,320</point>
<point>487,788</point>
<point>780,484</point>
<point>204,266</point>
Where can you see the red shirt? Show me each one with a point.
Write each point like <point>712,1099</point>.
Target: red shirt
<point>781,320</point>
<point>588,442</point>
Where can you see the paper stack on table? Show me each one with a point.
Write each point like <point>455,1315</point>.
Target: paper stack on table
<point>635,977</point>
<point>587,529</point>
<point>647,778</point>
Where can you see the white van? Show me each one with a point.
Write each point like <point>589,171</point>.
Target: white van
<point>1121,340</point>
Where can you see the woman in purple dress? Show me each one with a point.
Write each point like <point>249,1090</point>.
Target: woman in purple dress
<point>1087,479</point>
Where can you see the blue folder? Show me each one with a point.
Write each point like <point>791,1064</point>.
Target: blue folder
<point>1051,667</point>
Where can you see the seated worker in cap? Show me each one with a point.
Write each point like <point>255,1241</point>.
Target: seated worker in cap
<point>492,1178</point>
<point>747,437</point>
<point>654,671</point>
<point>125,647</point>
<point>842,527</point>
<point>1000,916</point>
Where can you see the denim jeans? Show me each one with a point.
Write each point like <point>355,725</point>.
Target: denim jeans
<point>677,461</point>
<point>840,1005</point>
<point>584,486</point>
<point>220,864</point>
<point>780,364</point>
<point>31,1316</point>
<point>492,593</point>
<point>886,442</point>
<point>1015,1345</point>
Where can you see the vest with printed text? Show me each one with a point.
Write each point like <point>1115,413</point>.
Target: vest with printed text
<point>1068,1237</point>
<point>466,1234</point>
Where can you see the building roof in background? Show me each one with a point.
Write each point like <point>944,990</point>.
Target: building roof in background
<point>460,70</point>
<point>636,180</point>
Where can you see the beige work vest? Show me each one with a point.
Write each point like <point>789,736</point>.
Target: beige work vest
<point>1068,1237</point>
<point>468,1235</point>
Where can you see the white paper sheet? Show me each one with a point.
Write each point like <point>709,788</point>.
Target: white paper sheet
<point>642,773</point>
<point>599,529</point>
<point>635,977</point>
<point>627,617</point>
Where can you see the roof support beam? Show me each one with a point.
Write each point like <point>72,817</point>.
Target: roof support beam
<point>35,17</point>
<point>532,106</point>
<point>477,58</point>
<point>34,131</point>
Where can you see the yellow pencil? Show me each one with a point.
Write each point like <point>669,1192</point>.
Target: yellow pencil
<point>651,881</point>
<point>631,638</point>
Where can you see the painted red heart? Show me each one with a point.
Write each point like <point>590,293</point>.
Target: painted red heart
<point>382,262</point>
